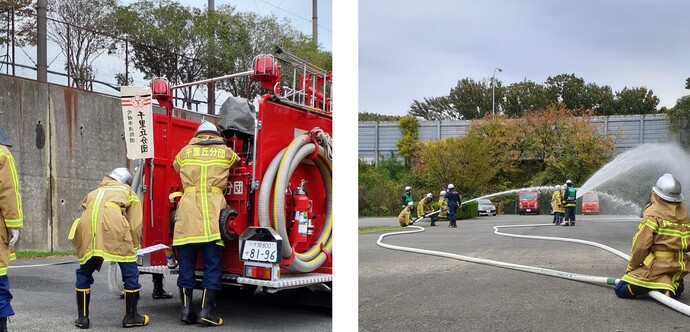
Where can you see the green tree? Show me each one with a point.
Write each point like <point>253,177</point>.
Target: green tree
<point>567,90</point>
<point>25,22</point>
<point>524,96</point>
<point>432,109</point>
<point>365,116</point>
<point>472,99</point>
<point>678,118</point>
<point>638,100</point>
<point>407,145</point>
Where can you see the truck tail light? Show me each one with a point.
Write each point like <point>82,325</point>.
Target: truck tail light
<point>258,272</point>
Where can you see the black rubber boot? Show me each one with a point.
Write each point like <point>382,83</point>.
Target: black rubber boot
<point>83,299</point>
<point>158,291</point>
<point>208,302</point>
<point>132,317</point>
<point>3,324</point>
<point>572,223</point>
<point>188,314</point>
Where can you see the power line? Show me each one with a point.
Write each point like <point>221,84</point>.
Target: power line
<point>293,14</point>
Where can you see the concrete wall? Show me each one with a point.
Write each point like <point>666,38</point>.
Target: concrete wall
<point>65,141</point>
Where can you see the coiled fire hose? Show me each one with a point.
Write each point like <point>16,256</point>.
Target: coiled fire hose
<point>604,281</point>
<point>279,171</point>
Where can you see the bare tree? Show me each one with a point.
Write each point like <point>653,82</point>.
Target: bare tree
<point>79,27</point>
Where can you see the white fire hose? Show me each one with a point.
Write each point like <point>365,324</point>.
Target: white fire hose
<point>279,171</point>
<point>605,281</point>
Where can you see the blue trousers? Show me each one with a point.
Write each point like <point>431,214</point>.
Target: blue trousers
<point>5,297</point>
<point>451,213</point>
<point>211,254</point>
<point>130,274</point>
<point>628,291</point>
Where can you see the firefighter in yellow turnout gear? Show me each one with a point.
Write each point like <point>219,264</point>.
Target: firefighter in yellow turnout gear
<point>424,207</point>
<point>658,259</point>
<point>443,205</point>
<point>557,205</point>
<point>204,166</point>
<point>109,228</point>
<point>405,216</point>
<point>11,220</point>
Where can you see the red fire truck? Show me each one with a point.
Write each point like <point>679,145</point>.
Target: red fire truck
<point>278,232</point>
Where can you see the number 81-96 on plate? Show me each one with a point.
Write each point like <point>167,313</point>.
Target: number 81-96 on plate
<point>260,251</point>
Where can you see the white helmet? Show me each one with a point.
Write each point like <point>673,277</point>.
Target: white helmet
<point>668,188</point>
<point>429,195</point>
<point>558,187</point>
<point>408,188</point>
<point>121,175</point>
<point>410,203</point>
<point>206,127</point>
<point>442,193</point>
<point>451,186</point>
<point>568,182</point>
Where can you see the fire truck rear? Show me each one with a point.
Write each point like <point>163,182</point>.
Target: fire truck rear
<point>278,227</point>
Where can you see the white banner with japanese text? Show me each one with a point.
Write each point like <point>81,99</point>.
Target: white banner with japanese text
<point>137,115</point>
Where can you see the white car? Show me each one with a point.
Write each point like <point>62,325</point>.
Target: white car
<point>486,208</point>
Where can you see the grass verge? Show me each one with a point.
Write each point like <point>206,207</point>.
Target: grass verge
<point>379,229</point>
<point>42,254</point>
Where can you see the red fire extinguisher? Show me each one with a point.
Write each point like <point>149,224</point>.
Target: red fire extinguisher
<point>300,221</point>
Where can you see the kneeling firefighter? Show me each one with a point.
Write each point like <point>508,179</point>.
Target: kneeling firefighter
<point>109,228</point>
<point>658,259</point>
<point>405,216</point>
<point>425,208</point>
<point>204,167</point>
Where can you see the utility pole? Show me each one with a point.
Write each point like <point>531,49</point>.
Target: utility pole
<point>314,22</point>
<point>211,86</point>
<point>42,42</point>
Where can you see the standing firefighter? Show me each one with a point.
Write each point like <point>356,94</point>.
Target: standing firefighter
<point>405,216</point>
<point>11,220</point>
<point>425,208</point>
<point>557,205</point>
<point>569,201</point>
<point>109,228</point>
<point>204,166</point>
<point>659,259</point>
<point>406,196</point>
<point>453,198</point>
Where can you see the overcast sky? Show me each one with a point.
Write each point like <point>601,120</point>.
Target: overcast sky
<point>415,49</point>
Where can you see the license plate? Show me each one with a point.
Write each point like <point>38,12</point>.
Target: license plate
<point>529,210</point>
<point>260,251</point>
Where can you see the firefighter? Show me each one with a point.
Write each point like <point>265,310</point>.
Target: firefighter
<point>204,166</point>
<point>405,216</point>
<point>109,228</point>
<point>569,201</point>
<point>443,205</point>
<point>557,205</point>
<point>659,259</point>
<point>11,220</point>
<point>454,202</point>
<point>425,208</point>
<point>406,197</point>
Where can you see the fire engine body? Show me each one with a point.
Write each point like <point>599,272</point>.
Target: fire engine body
<point>279,234</point>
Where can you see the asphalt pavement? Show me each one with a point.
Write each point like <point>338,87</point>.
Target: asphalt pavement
<point>45,300</point>
<point>402,291</point>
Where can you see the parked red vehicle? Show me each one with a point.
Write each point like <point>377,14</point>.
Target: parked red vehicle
<point>590,203</point>
<point>528,202</point>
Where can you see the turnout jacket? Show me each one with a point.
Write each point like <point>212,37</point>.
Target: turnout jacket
<point>443,205</point>
<point>658,258</point>
<point>204,166</point>
<point>110,225</point>
<point>423,208</point>
<point>557,201</point>
<point>405,217</point>
<point>11,215</point>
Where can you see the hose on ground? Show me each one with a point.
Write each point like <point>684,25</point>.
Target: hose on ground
<point>275,182</point>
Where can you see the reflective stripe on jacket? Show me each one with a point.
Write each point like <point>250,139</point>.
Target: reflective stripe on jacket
<point>658,258</point>
<point>11,215</point>
<point>204,166</point>
<point>556,201</point>
<point>405,217</point>
<point>424,208</point>
<point>110,225</point>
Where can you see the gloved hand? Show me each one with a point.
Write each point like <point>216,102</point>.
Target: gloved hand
<point>14,236</point>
